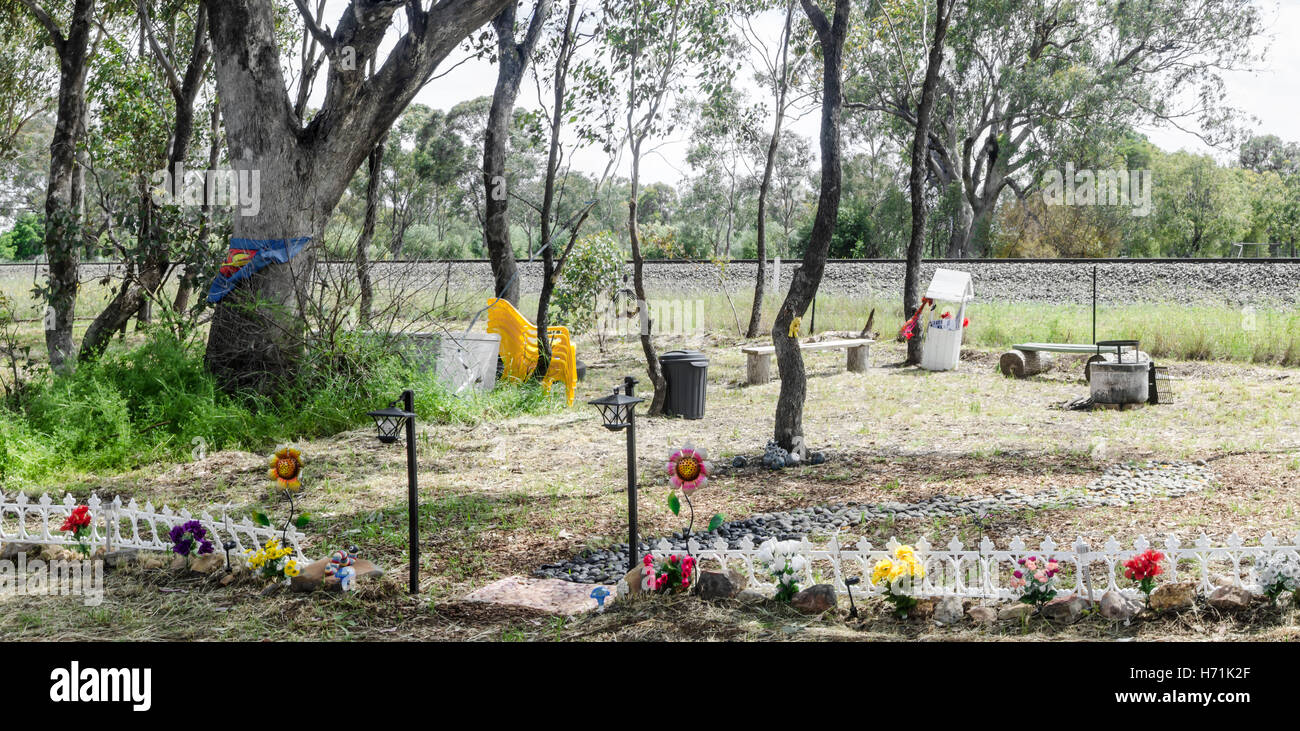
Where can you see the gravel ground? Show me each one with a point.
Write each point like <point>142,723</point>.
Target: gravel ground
<point>1119,485</point>
<point>1234,284</point>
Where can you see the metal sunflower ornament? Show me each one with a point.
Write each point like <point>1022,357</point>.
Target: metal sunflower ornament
<point>688,470</point>
<point>286,467</point>
<point>285,472</point>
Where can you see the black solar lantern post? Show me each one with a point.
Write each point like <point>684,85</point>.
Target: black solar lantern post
<point>618,411</point>
<point>388,424</point>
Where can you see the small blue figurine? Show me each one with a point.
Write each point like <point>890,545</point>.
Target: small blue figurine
<point>341,567</point>
<point>599,594</point>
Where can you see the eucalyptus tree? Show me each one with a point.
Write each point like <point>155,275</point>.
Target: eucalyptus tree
<point>513,57</point>
<point>724,134</point>
<point>182,73</point>
<point>305,161</point>
<point>775,68</point>
<point>916,178</point>
<point>831,33</point>
<point>1033,82</point>
<point>64,187</point>
<point>568,39</point>
<point>656,52</point>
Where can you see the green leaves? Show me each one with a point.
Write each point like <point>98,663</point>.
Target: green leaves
<point>302,520</point>
<point>716,521</point>
<point>261,518</point>
<point>674,504</point>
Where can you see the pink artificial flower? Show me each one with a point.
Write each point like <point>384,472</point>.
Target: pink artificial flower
<point>1040,576</point>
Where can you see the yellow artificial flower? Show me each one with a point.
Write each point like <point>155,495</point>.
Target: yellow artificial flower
<point>881,571</point>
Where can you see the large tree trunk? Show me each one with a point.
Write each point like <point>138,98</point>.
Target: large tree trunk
<point>373,172</point>
<point>789,358</point>
<point>190,276</point>
<point>773,146</point>
<point>62,210</point>
<point>916,179</point>
<point>256,335</point>
<point>512,61</point>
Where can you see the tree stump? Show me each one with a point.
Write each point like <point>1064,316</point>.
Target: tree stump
<point>758,368</point>
<point>1037,362</point>
<point>1012,363</point>
<point>1024,363</point>
<point>859,359</point>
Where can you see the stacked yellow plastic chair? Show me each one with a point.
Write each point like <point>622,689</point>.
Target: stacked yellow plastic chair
<point>519,348</point>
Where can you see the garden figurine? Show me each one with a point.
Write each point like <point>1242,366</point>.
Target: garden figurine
<point>341,567</point>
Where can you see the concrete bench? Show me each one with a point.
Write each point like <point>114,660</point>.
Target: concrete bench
<point>1030,359</point>
<point>758,358</point>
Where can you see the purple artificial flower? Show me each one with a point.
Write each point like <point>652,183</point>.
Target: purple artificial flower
<point>185,535</point>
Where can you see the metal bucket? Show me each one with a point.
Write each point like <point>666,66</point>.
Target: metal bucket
<point>1120,383</point>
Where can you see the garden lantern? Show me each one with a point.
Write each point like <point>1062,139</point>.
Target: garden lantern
<point>229,546</point>
<point>618,412</point>
<point>388,423</point>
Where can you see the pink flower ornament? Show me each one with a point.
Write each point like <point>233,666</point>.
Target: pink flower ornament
<point>688,468</point>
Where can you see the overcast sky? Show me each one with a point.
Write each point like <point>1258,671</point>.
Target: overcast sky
<point>1269,93</point>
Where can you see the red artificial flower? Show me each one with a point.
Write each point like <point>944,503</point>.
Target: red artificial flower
<point>946,315</point>
<point>80,518</point>
<point>1145,565</point>
<point>965,322</point>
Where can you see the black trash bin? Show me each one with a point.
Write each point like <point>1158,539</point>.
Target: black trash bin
<point>687,373</point>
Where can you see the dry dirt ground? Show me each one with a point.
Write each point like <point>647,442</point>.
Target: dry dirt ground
<point>503,498</point>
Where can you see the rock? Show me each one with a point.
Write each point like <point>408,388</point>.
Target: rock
<point>633,581</point>
<point>1115,606</point>
<point>949,610</point>
<point>273,588</point>
<point>208,563</point>
<point>751,596</point>
<point>924,609</point>
<point>815,599</point>
<point>152,561</point>
<point>1066,610</point>
<point>982,615</point>
<point>1221,580</point>
<point>55,553</point>
<point>10,551</point>
<point>739,462</point>
<point>816,458</point>
<point>118,559</point>
<point>228,579</point>
<point>313,576</point>
<point>713,585</point>
<point>1014,612</point>
<point>1173,596</point>
<point>1230,599</point>
<point>555,596</point>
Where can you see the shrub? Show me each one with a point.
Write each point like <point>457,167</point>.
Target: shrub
<point>591,273</point>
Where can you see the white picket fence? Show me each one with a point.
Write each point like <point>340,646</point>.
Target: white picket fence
<point>984,571</point>
<point>116,526</point>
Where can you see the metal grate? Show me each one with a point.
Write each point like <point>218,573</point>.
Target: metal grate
<point>1162,385</point>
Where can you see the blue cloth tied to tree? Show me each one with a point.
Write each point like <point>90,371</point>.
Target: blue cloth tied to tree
<point>246,257</point>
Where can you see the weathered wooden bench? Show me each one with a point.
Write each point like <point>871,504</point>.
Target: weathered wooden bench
<point>758,358</point>
<point>1030,359</point>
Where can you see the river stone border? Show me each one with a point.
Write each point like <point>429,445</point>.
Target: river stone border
<point>1118,485</point>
